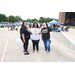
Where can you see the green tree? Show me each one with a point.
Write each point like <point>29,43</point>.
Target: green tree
<point>12,19</point>
<point>3,17</point>
<point>7,19</point>
<point>20,19</point>
<point>17,18</point>
<point>41,20</point>
<point>34,20</point>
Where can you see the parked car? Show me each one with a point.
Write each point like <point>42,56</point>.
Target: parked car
<point>2,25</point>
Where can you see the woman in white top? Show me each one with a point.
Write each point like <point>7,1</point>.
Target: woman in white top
<point>35,37</point>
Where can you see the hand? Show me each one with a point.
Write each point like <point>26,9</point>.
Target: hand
<point>50,39</point>
<point>28,30</point>
<point>24,41</point>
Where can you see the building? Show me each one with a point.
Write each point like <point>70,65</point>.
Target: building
<point>67,18</point>
<point>70,18</point>
<point>62,17</point>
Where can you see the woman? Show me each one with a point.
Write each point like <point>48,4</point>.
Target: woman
<point>53,27</point>
<point>35,37</point>
<point>25,36</point>
<point>46,36</point>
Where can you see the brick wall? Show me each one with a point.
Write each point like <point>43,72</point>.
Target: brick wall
<point>62,17</point>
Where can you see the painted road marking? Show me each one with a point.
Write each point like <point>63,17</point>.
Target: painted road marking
<point>18,39</point>
<point>4,52</point>
<point>71,40</point>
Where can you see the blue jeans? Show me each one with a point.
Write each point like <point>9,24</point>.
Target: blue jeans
<point>47,44</point>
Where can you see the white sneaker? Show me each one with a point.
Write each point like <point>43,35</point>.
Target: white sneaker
<point>45,51</point>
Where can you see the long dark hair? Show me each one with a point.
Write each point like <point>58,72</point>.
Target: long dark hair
<point>46,24</point>
<point>23,23</point>
<point>34,25</point>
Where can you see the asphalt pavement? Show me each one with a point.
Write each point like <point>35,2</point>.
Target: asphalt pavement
<point>62,50</point>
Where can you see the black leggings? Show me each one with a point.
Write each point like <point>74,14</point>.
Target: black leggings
<point>25,45</point>
<point>35,43</point>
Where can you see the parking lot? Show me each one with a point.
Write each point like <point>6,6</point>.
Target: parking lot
<point>11,50</point>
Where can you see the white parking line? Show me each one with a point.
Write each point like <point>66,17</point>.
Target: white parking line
<point>2,59</point>
<point>71,40</point>
<point>18,39</point>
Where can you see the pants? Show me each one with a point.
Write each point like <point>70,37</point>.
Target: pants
<point>53,28</point>
<point>47,44</point>
<point>11,28</point>
<point>25,45</point>
<point>58,30</point>
<point>35,43</point>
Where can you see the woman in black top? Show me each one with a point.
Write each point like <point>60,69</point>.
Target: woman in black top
<point>25,36</point>
<point>46,36</point>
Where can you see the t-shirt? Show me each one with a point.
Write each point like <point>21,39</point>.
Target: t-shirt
<point>16,26</point>
<point>45,32</point>
<point>23,30</point>
<point>35,33</point>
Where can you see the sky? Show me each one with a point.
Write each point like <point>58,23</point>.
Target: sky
<point>32,15</point>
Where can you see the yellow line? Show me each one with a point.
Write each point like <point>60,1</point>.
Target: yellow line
<point>4,52</point>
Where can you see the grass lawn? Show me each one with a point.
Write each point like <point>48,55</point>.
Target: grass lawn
<point>73,27</point>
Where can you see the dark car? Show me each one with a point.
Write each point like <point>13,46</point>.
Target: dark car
<point>2,25</point>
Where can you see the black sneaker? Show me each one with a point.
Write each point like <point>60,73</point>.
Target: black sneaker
<point>26,53</point>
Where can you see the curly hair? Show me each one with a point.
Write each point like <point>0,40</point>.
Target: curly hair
<point>34,25</point>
